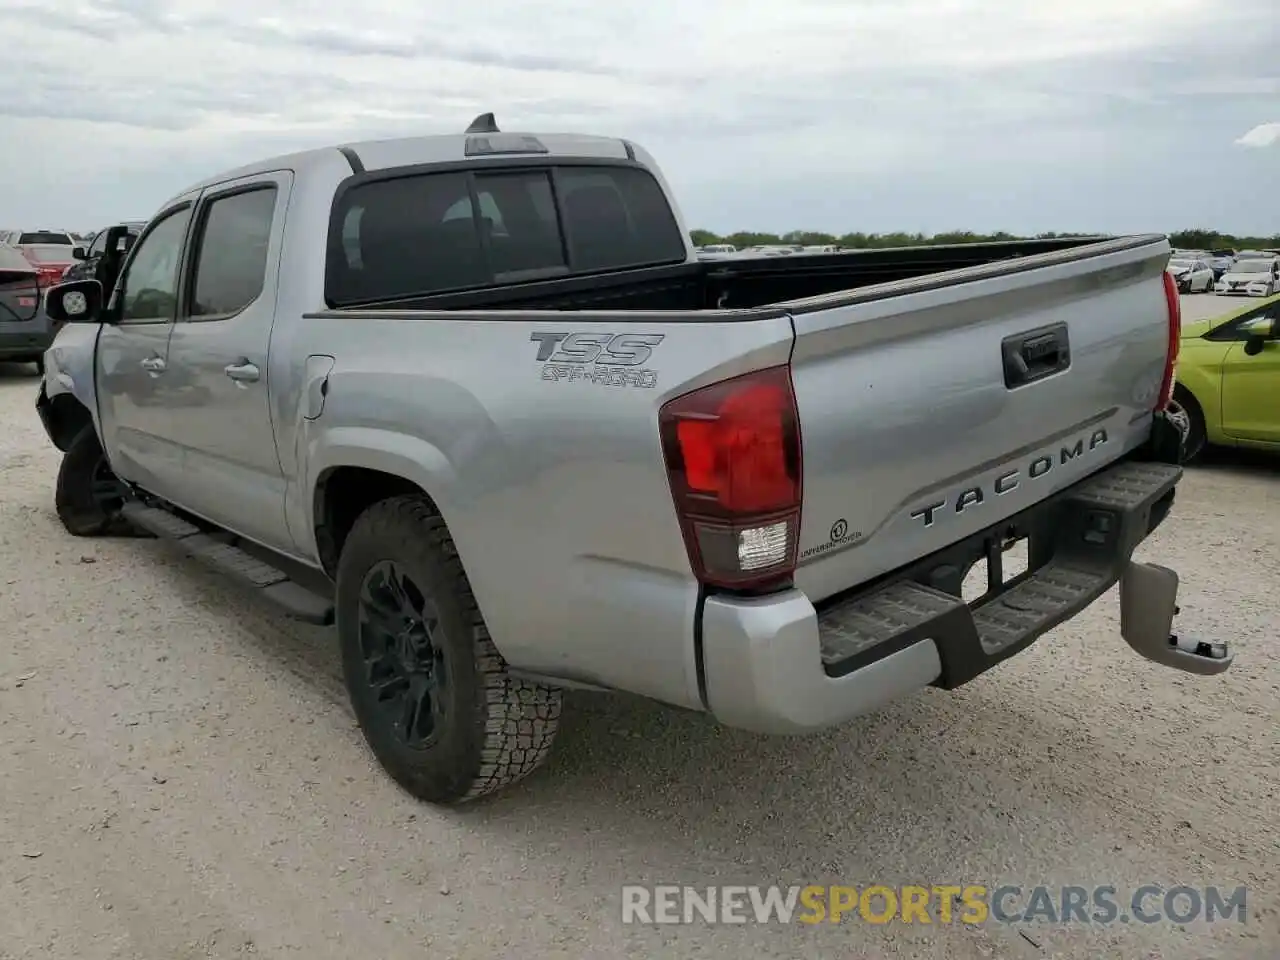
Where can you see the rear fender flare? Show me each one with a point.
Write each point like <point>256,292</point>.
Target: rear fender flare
<point>402,455</point>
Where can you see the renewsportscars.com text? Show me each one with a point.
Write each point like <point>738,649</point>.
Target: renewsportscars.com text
<point>931,904</point>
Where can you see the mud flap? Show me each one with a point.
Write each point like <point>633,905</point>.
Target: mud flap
<point>1148,602</point>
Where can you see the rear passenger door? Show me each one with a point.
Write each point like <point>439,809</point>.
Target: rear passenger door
<point>218,391</point>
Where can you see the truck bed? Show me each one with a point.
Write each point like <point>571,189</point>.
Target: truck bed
<point>753,283</point>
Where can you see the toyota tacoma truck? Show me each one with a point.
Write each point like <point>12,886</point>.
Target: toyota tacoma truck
<point>475,399</point>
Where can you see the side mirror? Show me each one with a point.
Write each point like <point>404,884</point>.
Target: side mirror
<point>79,301</point>
<point>125,243</point>
<point>1257,332</point>
<point>78,253</point>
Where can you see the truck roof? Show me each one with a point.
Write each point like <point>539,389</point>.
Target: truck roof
<point>437,148</point>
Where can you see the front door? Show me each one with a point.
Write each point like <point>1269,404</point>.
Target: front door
<point>133,356</point>
<point>219,411</point>
<point>1251,386</point>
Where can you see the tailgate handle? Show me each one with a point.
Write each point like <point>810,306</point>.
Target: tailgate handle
<point>1035,354</point>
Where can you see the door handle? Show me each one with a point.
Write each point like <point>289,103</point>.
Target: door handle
<point>243,372</point>
<point>1035,354</point>
<point>153,364</point>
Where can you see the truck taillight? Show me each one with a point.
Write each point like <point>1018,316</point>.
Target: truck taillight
<point>1174,305</point>
<point>734,457</point>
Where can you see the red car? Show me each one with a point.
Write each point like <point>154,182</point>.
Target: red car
<point>49,251</point>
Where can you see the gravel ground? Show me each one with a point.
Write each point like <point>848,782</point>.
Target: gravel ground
<point>182,777</point>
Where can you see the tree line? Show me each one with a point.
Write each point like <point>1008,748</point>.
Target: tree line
<point>1196,239</point>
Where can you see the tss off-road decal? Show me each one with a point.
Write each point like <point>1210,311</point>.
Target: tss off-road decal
<point>605,359</point>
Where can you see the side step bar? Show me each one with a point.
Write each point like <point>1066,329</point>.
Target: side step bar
<point>270,583</point>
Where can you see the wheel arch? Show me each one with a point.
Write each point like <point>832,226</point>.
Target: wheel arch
<point>66,419</point>
<point>355,467</point>
<point>1201,393</point>
<point>342,493</point>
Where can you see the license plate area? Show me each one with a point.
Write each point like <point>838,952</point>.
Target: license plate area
<point>981,568</point>
<point>1002,562</point>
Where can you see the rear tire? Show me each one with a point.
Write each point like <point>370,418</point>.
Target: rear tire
<point>433,696</point>
<point>88,496</point>
<point>1184,405</point>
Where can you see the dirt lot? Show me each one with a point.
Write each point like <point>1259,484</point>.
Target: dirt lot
<point>182,777</point>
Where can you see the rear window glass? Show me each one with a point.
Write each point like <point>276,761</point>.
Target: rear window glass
<point>430,233</point>
<point>44,236</point>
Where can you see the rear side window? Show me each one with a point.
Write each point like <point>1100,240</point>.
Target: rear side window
<point>429,233</point>
<point>231,262</point>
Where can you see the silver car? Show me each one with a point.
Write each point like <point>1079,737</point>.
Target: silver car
<point>1193,274</point>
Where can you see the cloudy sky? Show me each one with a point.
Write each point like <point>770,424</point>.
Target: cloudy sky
<point>838,115</point>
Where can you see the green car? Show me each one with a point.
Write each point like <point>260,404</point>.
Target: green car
<point>1228,379</point>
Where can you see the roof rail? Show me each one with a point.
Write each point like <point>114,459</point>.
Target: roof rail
<point>485,123</point>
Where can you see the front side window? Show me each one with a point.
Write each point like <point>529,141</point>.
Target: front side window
<point>149,289</point>
<point>231,253</point>
<point>422,234</point>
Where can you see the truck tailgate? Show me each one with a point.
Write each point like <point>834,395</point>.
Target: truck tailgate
<point>933,408</point>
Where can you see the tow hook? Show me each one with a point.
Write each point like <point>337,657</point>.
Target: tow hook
<point>1148,604</point>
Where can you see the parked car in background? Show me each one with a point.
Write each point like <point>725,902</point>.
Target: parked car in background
<point>1228,380</point>
<point>1192,274</point>
<point>51,259</point>
<point>54,237</point>
<point>1220,263</point>
<point>1251,277</point>
<point>24,329</point>
<point>103,264</point>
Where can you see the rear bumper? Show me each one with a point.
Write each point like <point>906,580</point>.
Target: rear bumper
<point>778,665</point>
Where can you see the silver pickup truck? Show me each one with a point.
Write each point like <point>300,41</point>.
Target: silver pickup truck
<point>474,398</point>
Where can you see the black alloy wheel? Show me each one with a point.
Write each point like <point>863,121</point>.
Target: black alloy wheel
<point>406,667</point>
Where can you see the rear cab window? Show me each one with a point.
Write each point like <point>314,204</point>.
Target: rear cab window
<point>420,233</point>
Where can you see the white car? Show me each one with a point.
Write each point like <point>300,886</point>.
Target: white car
<point>1193,274</point>
<point>1258,277</point>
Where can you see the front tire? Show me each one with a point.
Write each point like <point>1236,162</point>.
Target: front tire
<point>434,698</point>
<point>88,497</point>
<point>1184,406</point>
